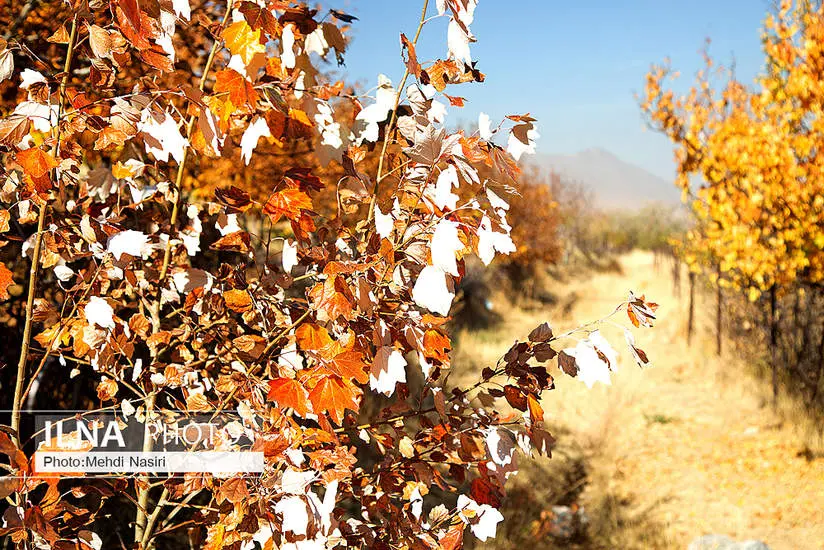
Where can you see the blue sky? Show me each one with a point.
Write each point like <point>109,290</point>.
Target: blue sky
<point>574,64</point>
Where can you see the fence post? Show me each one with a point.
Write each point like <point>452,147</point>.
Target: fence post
<point>719,302</point>
<point>774,345</point>
<point>691,317</point>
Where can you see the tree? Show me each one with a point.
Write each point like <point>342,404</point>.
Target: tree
<point>175,297</point>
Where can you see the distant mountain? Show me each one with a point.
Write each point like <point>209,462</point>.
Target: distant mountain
<point>616,184</point>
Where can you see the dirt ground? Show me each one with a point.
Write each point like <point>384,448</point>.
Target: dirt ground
<point>690,444</point>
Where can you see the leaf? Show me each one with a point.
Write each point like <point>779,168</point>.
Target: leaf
<point>243,41</point>
<point>256,130</point>
<point>311,337</point>
<point>234,199</point>
<point>289,203</point>
<point>411,57</point>
<point>288,392</point>
<point>5,281</point>
<point>431,290</point>
<point>388,369</point>
<point>567,363</point>
<point>332,395</point>
<point>515,397</point>
<point>241,92</point>
<point>233,490</point>
<point>36,162</point>
<point>346,18</point>
<point>238,300</point>
<point>332,299</point>
<point>541,333</point>
<point>99,312</point>
<point>260,18</point>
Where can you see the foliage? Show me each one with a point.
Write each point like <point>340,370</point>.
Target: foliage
<point>176,296</point>
<point>757,150</point>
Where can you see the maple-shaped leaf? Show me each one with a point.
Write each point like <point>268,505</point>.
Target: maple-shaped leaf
<point>243,41</point>
<point>37,164</point>
<point>241,91</point>
<point>332,395</point>
<point>288,203</point>
<point>332,299</point>
<point>288,392</point>
<point>259,18</point>
<point>5,281</point>
<point>310,337</point>
<point>349,365</point>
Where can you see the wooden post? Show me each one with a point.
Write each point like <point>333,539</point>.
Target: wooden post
<point>691,317</point>
<point>718,304</point>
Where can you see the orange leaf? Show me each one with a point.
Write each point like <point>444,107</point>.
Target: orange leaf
<point>311,337</point>
<point>288,392</point>
<point>332,299</point>
<point>289,203</point>
<point>36,162</point>
<point>333,395</point>
<point>350,365</point>
<point>241,92</point>
<point>5,282</point>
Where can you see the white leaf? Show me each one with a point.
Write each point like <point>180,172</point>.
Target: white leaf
<point>289,357</point>
<point>491,241</point>
<point>444,197</point>
<point>182,9</point>
<point>289,256</point>
<point>29,77</point>
<point>294,513</point>
<point>445,246</point>
<point>186,280</point>
<point>458,43</point>
<point>6,65</point>
<point>495,200</point>
<point>483,519</point>
<point>384,223</point>
<point>90,539</point>
<point>516,147</point>
<point>501,445</point>
<point>378,111</point>
<point>294,481</point>
<point>287,58</point>
<point>99,312</point>
<point>227,223</point>
<point>162,137</point>
<point>127,408</point>
<point>484,127</point>
<point>43,117</point>
<point>63,272</point>
<point>431,290</point>
<point>133,243</point>
<point>256,130</point>
<point>388,368</point>
<point>591,368</point>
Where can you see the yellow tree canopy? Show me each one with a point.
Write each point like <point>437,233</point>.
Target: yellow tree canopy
<point>758,152</point>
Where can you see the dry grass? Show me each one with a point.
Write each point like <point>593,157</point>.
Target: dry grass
<point>672,452</point>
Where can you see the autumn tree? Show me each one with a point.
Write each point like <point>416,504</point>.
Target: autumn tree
<point>756,151</point>
<point>173,297</point>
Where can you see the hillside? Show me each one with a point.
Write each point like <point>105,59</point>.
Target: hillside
<point>616,184</point>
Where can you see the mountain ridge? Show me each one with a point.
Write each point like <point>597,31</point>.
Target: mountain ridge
<point>615,183</point>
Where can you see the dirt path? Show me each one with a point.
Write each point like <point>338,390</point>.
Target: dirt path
<point>690,443</point>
